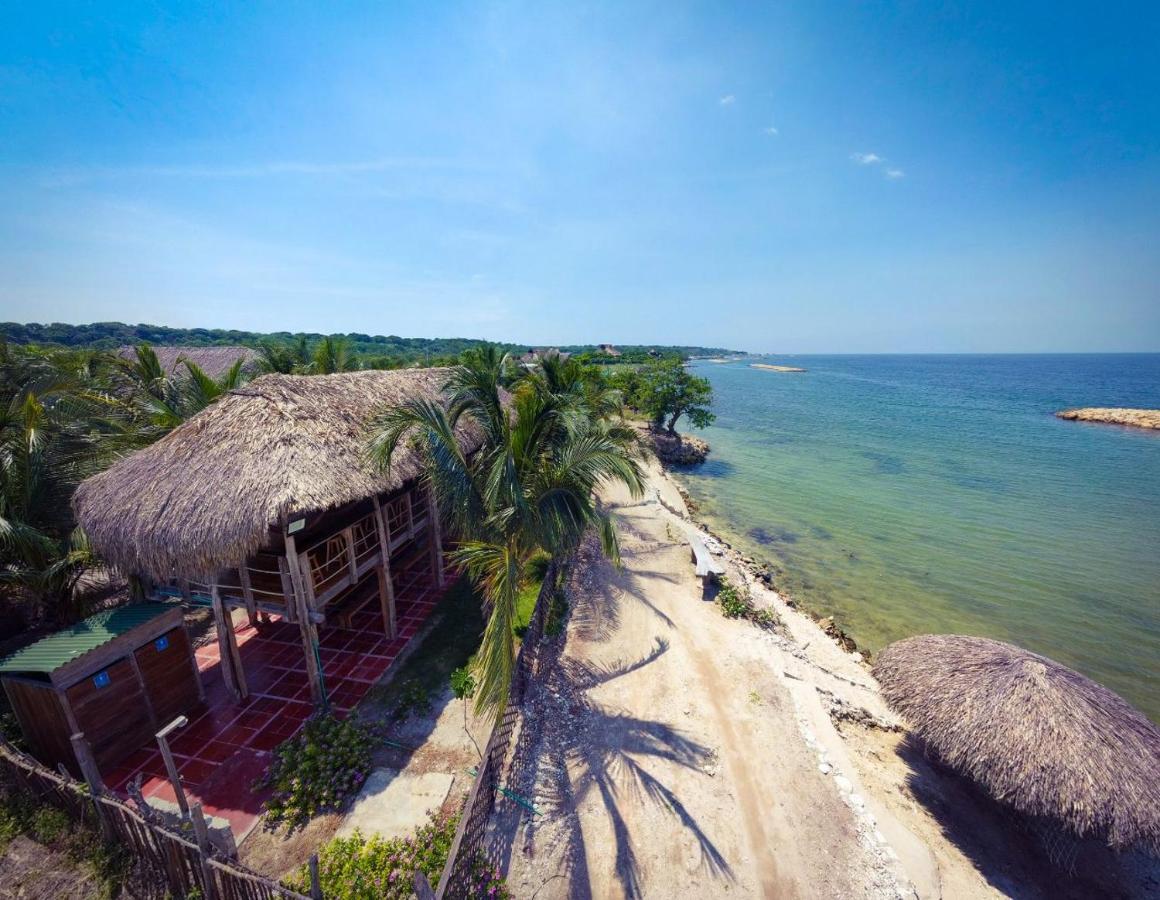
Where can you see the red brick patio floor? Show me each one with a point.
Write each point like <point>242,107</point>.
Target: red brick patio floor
<point>227,745</point>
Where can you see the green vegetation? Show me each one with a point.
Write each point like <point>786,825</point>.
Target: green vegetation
<point>20,814</point>
<point>294,351</point>
<point>664,390</point>
<point>530,487</point>
<point>736,604</point>
<point>360,868</point>
<point>318,770</point>
<point>449,645</point>
<point>414,700</point>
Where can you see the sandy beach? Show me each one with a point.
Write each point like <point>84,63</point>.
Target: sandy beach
<point>772,368</point>
<point>678,751</point>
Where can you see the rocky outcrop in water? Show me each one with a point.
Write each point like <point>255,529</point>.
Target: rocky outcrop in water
<point>1136,418</point>
<point>678,449</point>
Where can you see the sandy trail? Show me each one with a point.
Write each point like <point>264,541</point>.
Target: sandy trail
<point>671,760</point>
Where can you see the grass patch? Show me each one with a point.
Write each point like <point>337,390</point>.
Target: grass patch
<point>448,646</point>
<point>86,853</point>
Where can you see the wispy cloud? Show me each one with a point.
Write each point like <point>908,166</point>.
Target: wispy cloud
<point>727,100</point>
<point>895,174</point>
<point>866,159</point>
<point>771,131</point>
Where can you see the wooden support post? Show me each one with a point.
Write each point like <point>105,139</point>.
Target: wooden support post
<point>315,881</point>
<point>423,886</point>
<point>386,583</point>
<point>306,626</point>
<point>186,593</point>
<point>92,776</point>
<point>171,771</point>
<point>410,513</point>
<point>201,835</point>
<point>248,593</point>
<point>149,710</point>
<point>348,534</point>
<point>436,538</point>
<point>288,593</point>
<point>386,601</point>
<point>228,647</point>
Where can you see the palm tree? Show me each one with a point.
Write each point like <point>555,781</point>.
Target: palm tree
<point>530,486</point>
<point>53,421</point>
<point>287,359</point>
<point>333,354</point>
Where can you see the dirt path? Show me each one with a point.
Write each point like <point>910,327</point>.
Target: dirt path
<point>671,761</point>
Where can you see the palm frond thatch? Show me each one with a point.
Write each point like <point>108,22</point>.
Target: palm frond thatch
<point>1038,736</point>
<point>206,495</point>
<point>214,361</point>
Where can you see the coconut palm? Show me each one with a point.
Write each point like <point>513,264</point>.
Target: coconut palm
<point>52,424</point>
<point>531,486</point>
<point>285,358</point>
<point>333,354</point>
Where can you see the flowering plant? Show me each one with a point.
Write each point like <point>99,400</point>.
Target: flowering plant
<point>316,771</point>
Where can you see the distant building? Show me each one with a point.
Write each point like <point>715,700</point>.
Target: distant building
<point>536,354</point>
<point>214,361</point>
<point>608,350</point>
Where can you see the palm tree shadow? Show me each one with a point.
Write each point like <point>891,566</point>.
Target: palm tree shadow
<point>580,747</point>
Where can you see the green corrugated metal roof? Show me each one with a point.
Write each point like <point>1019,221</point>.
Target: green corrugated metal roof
<point>50,653</point>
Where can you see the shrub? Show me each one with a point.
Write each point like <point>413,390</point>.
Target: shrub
<point>413,700</point>
<point>734,604</point>
<point>764,618</point>
<point>361,868</point>
<point>317,771</point>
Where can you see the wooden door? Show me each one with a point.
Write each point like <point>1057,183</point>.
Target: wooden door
<point>109,707</point>
<point>169,675</point>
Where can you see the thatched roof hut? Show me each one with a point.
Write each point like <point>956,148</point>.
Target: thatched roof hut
<point>210,492</point>
<point>214,361</point>
<point>1040,737</point>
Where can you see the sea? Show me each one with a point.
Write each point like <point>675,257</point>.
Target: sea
<point>939,494</point>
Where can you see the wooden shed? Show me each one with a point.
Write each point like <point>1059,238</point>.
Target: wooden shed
<point>116,678</point>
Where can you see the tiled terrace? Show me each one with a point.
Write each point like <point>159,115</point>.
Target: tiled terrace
<point>227,745</point>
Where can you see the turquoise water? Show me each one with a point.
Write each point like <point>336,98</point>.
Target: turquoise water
<point>913,494</point>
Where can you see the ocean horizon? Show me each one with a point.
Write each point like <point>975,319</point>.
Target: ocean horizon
<point>917,493</point>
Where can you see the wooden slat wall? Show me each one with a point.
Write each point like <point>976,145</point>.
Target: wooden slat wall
<point>169,679</point>
<point>42,719</point>
<point>114,719</point>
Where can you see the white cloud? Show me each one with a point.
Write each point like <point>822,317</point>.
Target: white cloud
<point>895,174</point>
<point>728,100</point>
<point>866,159</point>
<point>771,131</point>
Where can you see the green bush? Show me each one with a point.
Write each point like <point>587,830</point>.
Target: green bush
<point>414,700</point>
<point>734,604</point>
<point>361,868</point>
<point>317,771</point>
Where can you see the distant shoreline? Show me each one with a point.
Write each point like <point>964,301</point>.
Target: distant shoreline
<point>1133,418</point>
<point>771,368</point>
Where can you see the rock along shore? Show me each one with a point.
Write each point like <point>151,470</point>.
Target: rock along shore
<point>1134,418</point>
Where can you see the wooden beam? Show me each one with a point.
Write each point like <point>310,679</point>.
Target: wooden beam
<point>288,591</point>
<point>436,538</point>
<point>306,626</point>
<point>307,576</point>
<point>248,592</point>
<point>386,601</point>
<point>228,647</point>
<point>386,583</point>
<point>348,534</point>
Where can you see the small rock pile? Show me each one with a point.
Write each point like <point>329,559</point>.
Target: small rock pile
<point>678,449</point>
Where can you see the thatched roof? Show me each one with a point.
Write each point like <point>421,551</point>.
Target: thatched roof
<point>214,361</point>
<point>1037,735</point>
<point>205,496</point>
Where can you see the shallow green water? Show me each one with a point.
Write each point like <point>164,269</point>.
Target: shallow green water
<point>911,494</point>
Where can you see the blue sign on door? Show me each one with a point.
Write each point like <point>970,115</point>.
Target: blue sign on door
<point>101,679</point>
<point>162,643</point>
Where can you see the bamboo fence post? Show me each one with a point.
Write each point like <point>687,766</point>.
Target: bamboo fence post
<point>201,834</point>
<point>92,774</point>
<point>315,881</point>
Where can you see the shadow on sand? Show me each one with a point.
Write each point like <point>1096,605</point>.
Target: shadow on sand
<point>571,747</point>
<point>1019,857</point>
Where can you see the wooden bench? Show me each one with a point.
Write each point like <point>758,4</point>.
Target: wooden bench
<point>344,607</point>
<point>707,566</point>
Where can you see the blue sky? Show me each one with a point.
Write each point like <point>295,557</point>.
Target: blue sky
<point>812,177</point>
